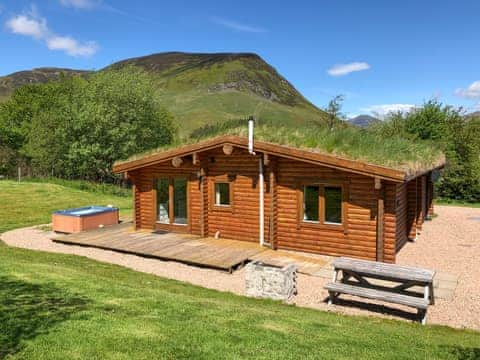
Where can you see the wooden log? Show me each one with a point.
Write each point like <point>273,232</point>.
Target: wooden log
<point>195,159</point>
<point>380,223</point>
<point>266,159</point>
<point>177,161</point>
<point>227,149</point>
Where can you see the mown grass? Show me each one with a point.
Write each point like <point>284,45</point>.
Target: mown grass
<point>65,306</point>
<point>31,203</point>
<point>90,186</point>
<point>60,306</point>
<point>452,202</point>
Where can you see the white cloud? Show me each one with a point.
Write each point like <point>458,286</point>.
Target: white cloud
<point>471,92</point>
<point>34,26</point>
<point>80,4</point>
<point>231,24</point>
<point>384,109</point>
<point>71,46</point>
<point>344,69</point>
<point>28,26</point>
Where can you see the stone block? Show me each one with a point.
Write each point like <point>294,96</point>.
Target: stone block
<point>269,281</point>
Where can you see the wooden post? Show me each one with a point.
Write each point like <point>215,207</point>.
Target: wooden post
<point>273,204</point>
<point>134,192</point>
<point>195,159</point>
<point>380,221</point>
<point>19,174</point>
<point>202,203</point>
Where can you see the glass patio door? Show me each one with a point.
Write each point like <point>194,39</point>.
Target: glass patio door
<point>180,201</point>
<point>172,207</point>
<point>163,201</point>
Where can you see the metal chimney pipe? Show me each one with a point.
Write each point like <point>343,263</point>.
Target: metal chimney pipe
<point>251,123</point>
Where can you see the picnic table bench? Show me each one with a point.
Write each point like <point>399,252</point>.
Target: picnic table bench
<point>395,287</point>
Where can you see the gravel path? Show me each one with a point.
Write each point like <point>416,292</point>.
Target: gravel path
<point>450,243</point>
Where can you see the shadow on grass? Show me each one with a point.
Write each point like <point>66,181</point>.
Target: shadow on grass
<point>377,308</point>
<point>28,310</point>
<point>463,353</point>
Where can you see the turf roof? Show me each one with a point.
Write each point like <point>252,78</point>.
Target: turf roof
<point>346,142</point>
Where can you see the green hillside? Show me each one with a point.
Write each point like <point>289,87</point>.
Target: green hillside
<point>205,88</point>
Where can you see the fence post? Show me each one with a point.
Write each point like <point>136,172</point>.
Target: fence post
<point>19,174</point>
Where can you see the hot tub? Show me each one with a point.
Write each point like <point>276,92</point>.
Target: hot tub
<point>84,218</point>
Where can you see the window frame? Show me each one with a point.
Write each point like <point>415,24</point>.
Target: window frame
<point>171,224</point>
<point>223,179</point>
<point>215,193</point>
<point>321,223</point>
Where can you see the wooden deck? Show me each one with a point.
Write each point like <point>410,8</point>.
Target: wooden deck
<point>222,254</point>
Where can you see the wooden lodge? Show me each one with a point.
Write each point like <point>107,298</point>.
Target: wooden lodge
<point>281,197</point>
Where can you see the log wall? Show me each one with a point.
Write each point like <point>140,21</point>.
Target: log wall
<point>401,210</point>
<point>412,209</point>
<point>357,238</point>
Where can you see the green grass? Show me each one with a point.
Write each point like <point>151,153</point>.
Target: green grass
<point>343,141</point>
<point>31,203</point>
<point>452,202</point>
<point>70,307</point>
<point>195,108</point>
<point>62,306</point>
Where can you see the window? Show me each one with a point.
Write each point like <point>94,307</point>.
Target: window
<point>333,205</point>
<point>322,204</point>
<point>310,203</point>
<point>222,194</point>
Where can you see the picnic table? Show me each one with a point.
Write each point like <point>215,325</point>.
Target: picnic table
<point>395,287</point>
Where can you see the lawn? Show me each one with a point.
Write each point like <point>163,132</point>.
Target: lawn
<point>64,306</point>
<point>31,203</point>
<point>450,202</point>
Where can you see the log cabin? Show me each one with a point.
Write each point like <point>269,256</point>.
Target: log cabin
<point>281,197</point>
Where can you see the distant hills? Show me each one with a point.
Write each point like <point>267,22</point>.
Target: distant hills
<point>363,120</point>
<point>201,88</point>
<point>41,75</point>
<point>475,114</point>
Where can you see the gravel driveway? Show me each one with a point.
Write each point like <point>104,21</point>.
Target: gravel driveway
<point>450,243</point>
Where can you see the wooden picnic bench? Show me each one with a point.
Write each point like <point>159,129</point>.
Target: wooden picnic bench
<point>395,287</point>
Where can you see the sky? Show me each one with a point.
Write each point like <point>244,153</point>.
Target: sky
<point>381,55</point>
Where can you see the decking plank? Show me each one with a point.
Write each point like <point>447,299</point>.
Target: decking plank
<point>219,253</point>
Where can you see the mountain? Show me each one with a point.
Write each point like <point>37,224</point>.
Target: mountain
<point>363,120</point>
<point>472,115</point>
<point>41,75</point>
<point>203,88</point>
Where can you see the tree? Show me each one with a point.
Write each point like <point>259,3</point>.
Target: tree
<point>455,134</point>
<point>77,127</point>
<point>333,110</point>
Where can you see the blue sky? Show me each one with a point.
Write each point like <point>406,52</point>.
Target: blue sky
<point>380,54</point>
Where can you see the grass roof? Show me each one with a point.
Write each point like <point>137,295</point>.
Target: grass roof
<point>345,141</point>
